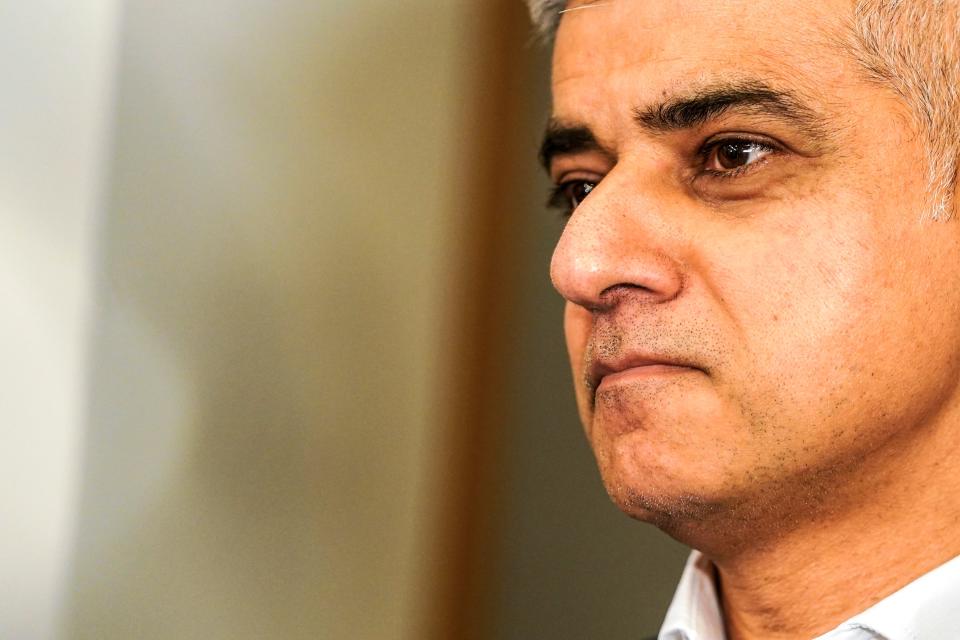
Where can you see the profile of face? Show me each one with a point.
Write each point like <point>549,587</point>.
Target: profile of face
<point>760,312</point>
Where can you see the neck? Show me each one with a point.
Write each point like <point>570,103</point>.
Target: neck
<point>832,561</point>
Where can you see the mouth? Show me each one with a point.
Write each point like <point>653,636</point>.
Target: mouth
<point>602,374</point>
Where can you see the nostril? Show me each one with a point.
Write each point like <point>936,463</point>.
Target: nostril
<point>613,295</point>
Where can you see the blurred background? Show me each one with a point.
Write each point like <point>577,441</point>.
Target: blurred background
<point>280,354</point>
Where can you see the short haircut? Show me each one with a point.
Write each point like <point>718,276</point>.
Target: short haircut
<point>910,46</point>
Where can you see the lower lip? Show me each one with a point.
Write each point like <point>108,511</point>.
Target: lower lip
<point>646,371</point>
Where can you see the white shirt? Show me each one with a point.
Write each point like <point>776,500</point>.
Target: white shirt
<point>926,609</point>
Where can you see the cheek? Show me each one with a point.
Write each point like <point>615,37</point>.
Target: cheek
<point>804,329</point>
<point>849,328</point>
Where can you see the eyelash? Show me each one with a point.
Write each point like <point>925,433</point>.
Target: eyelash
<point>707,149</point>
<point>558,198</point>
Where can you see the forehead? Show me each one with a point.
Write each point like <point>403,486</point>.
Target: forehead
<point>611,49</point>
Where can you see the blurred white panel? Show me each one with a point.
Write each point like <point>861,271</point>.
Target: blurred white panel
<point>56,67</point>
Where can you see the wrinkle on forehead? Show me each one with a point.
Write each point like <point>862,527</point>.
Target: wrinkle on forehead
<point>632,32</point>
<point>647,50</point>
<point>587,4</point>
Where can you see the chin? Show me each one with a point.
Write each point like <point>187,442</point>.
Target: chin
<point>700,501</point>
<point>677,493</point>
<point>657,504</point>
<point>716,526</point>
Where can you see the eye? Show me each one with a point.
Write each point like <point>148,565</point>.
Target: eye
<point>568,195</point>
<point>732,156</point>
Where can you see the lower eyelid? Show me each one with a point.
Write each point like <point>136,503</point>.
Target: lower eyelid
<point>733,174</point>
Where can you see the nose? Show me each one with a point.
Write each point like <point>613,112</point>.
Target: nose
<point>616,240</point>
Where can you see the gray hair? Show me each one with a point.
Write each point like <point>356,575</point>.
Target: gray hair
<point>911,46</point>
<point>546,16</point>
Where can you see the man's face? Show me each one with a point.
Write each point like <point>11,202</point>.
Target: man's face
<point>757,306</point>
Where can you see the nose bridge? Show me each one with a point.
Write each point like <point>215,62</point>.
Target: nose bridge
<point>618,237</point>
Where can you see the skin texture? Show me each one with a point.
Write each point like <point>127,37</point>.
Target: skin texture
<point>804,437</point>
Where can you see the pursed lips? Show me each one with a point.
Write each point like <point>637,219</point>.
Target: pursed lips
<point>629,366</point>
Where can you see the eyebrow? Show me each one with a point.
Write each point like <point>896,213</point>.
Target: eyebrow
<point>693,109</point>
<point>561,139</point>
<point>706,103</point>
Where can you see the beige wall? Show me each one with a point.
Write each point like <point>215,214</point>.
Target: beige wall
<point>270,317</point>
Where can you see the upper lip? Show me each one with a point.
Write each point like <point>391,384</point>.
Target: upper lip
<point>602,367</point>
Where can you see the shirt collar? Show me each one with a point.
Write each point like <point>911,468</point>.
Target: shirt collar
<point>694,613</point>
<point>924,609</point>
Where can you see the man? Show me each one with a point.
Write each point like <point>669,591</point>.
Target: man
<point>762,274</point>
